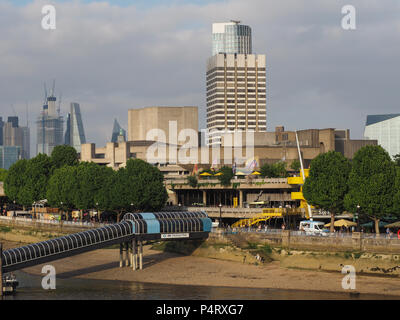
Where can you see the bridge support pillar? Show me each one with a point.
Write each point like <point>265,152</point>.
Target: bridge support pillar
<point>134,254</point>
<point>120,254</point>
<point>126,254</point>
<point>140,254</point>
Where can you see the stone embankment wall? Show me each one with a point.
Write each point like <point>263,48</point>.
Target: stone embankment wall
<point>349,242</point>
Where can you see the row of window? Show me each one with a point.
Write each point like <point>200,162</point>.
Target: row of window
<point>233,69</point>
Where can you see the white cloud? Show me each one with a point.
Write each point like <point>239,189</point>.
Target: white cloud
<point>110,59</point>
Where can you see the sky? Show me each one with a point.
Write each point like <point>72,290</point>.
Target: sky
<point>111,56</point>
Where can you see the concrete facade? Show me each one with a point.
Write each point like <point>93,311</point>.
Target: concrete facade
<point>269,147</point>
<point>236,94</point>
<point>142,122</point>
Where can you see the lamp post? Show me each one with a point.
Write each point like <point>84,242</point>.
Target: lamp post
<point>14,210</point>
<point>61,207</point>
<point>220,215</point>
<point>98,212</point>
<point>358,218</point>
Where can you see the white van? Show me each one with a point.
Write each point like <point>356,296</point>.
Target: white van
<point>313,228</point>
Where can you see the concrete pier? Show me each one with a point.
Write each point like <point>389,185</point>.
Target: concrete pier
<point>127,262</point>
<point>140,254</point>
<point>134,254</point>
<point>120,255</point>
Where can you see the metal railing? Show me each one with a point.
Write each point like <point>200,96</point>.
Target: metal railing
<point>56,222</point>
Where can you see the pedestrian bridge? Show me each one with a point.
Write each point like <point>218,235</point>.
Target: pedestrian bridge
<point>129,233</point>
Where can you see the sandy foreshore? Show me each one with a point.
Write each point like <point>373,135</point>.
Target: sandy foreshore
<point>170,268</point>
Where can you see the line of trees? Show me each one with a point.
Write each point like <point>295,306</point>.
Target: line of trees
<point>69,184</point>
<point>369,184</point>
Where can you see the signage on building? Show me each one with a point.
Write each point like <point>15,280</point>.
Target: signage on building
<point>174,235</point>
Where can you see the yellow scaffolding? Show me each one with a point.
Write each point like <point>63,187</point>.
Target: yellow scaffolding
<point>299,195</point>
<point>267,213</point>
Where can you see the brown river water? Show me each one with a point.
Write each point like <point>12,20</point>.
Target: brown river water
<point>87,289</point>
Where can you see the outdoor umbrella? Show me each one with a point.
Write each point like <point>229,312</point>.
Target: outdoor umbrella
<point>391,225</point>
<point>372,224</point>
<point>239,173</point>
<point>256,173</point>
<point>205,174</point>
<point>342,223</point>
<point>218,174</point>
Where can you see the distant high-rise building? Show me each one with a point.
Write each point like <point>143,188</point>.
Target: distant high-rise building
<point>231,37</point>
<point>49,127</point>
<point>75,134</point>
<point>117,130</point>
<point>236,83</point>
<point>1,130</point>
<point>236,94</point>
<point>67,137</point>
<point>9,155</point>
<point>14,121</point>
<point>386,129</point>
<point>16,136</point>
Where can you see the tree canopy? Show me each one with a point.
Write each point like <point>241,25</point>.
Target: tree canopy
<point>275,170</point>
<point>371,183</point>
<point>64,155</point>
<point>326,185</point>
<point>226,176</point>
<point>62,188</point>
<point>295,165</point>
<point>3,174</point>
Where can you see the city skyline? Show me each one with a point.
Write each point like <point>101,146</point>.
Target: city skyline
<point>318,71</point>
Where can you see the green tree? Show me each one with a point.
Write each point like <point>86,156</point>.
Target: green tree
<point>3,174</point>
<point>146,190</point>
<point>64,155</point>
<point>326,185</point>
<point>371,183</point>
<point>226,176</point>
<point>396,159</point>
<point>15,180</point>
<point>192,180</point>
<point>396,198</point>
<point>62,188</point>
<point>107,198</point>
<point>275,170</point>
<point>295,165</point>
<point>89,180</point>
<point>27,180</point>
<point>38,173</point>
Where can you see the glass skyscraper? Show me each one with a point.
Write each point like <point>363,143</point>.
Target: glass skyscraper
<point>117,131</point>
<point>9,155</point>
<point>386,129</point>
<point>75,134</point>
<point>231,37</point>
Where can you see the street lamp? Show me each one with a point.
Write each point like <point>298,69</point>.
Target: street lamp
<point>61,210</point>
<point>220,215</point>
<point>98,212</point>
<point>14,209</point>
<point>358,219</point>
